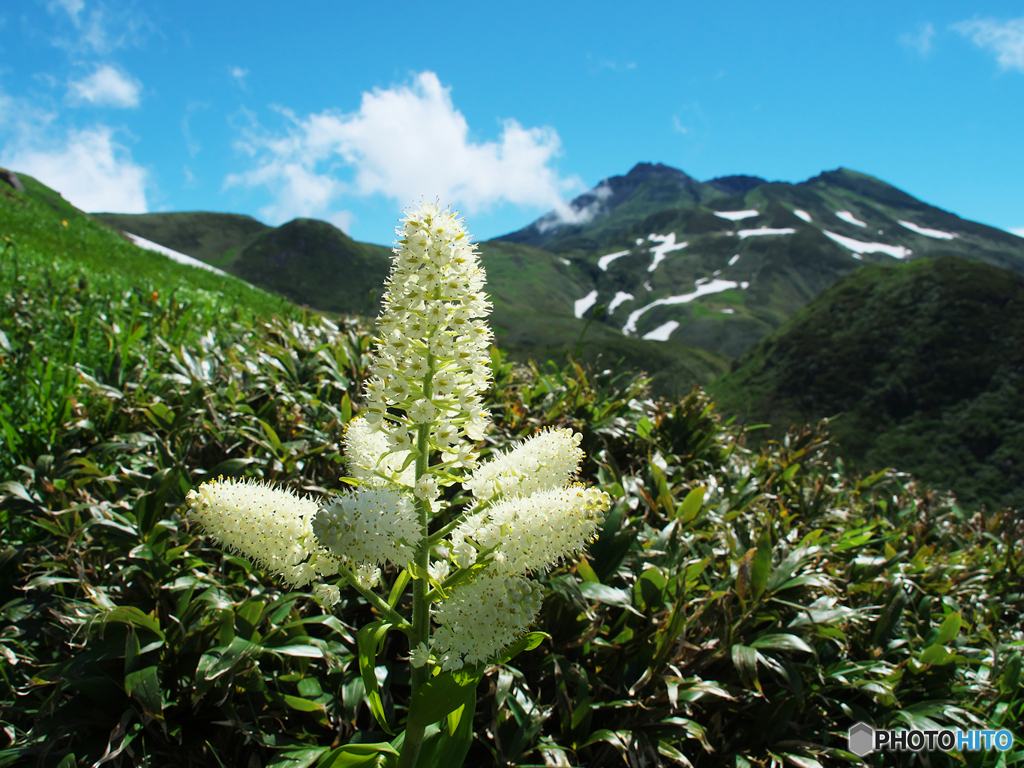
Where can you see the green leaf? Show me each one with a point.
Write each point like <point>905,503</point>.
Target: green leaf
<point>782,642</point>
<point>398,588</point>
<point>586,572</point>
<point>447,748</point>
<point>301,705</point>
<point>949,629</point>
<point>357,755</point>
<point>440,695</point>
<point>298,758</point>
<point>744,658</point>
<point>369,642</point>
<point>762,565</point>
<point>643,428</point>
<point>602,593</point>
<point>691,505</point>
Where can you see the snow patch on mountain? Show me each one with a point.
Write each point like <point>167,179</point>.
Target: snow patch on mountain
<point>803,215</point>
<point>936,233</point>
<point>662,332</point>
<point>850,218</point>
<point>620,296</point>
<point>737,215</point>
<point>859,246</point>
<point>703,287</point>
<point>181,258</point>
<point>668,244</point>
<point>604,261</point>
<point>582,305</point>
<point>743,233</point>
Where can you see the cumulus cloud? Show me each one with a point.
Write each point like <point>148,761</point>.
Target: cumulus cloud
<point>921,40</point>
<point>88,167</point>
<point>1005,39</point>
<point>404,142</point>
<point>106,87</point>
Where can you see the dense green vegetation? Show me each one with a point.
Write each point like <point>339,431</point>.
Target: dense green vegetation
<point>924,363</point>
<point>739,608</point>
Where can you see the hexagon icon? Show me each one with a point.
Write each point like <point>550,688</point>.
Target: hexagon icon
<point>861,739</point>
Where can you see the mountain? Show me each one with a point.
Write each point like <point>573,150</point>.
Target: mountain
<point>923,361</point>
<point>307,261</point>
<point>215,238</point>
<point>718,265</point>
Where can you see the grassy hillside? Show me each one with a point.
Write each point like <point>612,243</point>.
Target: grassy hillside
<point>40,226</point>
<point>216,238</point>
<point>924,361</point>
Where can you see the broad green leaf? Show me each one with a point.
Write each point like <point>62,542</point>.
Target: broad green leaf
<point>782,642</point>
<point>300,704</point>
<point>602,593</point>
<point>586,572</point>
<point>691,505</point>
<point>369,642</point>
<point>440,695</point>
<point>949,629</point>
<point>357,755</point>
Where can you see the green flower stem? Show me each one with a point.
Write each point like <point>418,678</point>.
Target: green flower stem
<point>420,604</point>
<point>439,534</point>
<point>375,600</point>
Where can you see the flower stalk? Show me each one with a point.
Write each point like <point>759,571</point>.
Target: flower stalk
<point>416,436</point>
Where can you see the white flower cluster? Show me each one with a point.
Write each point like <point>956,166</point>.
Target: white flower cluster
<point>369,526</point>
<point>549,459</point>
<point>483,616</point>
<point>371,458</point>
<point>432,354</point>
<point>532,533</point>
<point>535,518</point>
<point>271,527</point>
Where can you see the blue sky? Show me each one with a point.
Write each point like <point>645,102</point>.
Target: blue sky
<point>350,113</point>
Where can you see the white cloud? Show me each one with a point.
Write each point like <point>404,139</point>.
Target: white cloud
<point>406,142</point>
<point>921,40</point>
<point>106,87</point>
<point>100,30</point>
<point>342,220</point>
<point>1019,231</point>
<point>239,74</point>
<point>88,167</point>
<point>678,126</point>
<point>1005,39</point>
<point>71,7</point>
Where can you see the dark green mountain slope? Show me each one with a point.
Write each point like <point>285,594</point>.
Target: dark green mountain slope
<point>924,360</point>
<point>215,238</point>
<point>314,263</point>
<point>755,252</point>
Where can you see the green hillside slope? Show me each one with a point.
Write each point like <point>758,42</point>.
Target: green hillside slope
<point>924,361</point>
<point>215,238</point>
<point>41,226</point>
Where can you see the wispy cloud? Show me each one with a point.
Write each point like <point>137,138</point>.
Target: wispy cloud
<point>1004,38</point>
<point>1019,231</point>
<point>678,127</point>
<point>88,166</point>
<point>239,74</point>
<point>99,30</point>
<point>191,142</point>
<point>106,87</point>
<point>919,40</point>
<point>404,143</point>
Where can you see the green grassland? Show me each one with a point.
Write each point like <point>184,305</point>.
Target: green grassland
<point>739,607</point>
